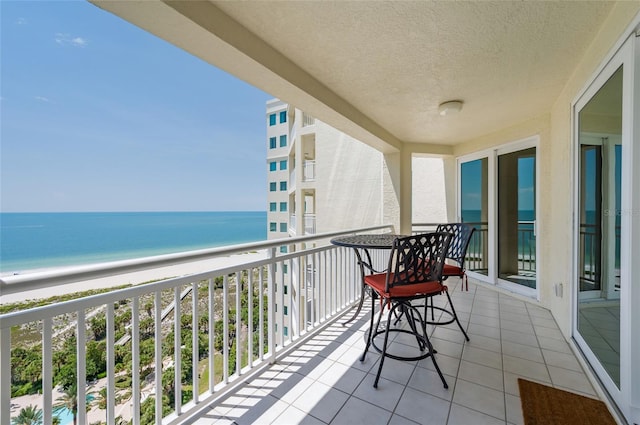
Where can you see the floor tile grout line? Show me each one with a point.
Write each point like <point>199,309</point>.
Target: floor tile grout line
<point>504,381</point>
<point>455,387</point>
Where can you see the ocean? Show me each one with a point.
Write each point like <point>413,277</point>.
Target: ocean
<point>31,241</point>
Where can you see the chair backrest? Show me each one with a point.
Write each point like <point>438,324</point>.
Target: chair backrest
<point>417,259</point>
<point>462,233</point>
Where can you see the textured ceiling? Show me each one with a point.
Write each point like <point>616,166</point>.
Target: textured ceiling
<point>397,61</point>
<point>379,69</point>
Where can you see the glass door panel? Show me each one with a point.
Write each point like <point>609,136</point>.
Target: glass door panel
<point>600,130</point>
<point>474,201</point>
<point>517,217</point>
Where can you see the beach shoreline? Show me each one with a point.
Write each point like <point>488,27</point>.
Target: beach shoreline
<point>131,278</point>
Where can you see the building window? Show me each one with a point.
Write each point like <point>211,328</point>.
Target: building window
<point>283,228</point>
<point>273,206</point>
<point>273,227</point>
<point>272,187</point>
<point>272,166</point>
<point>286,289</point>
<point>283,186</point>
<point>272,142</point>
<point>283,164</point>
<point>283,249</point>
<point>283,117</point>
<point>285,331</point>
<point>285,268</point>
<point>283,140</point>
<point>275,307</point>
<point>272,119</point>
<point>286,311</point>
<point>283,207</point>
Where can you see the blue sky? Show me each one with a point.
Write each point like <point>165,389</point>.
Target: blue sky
<point>98,115</point>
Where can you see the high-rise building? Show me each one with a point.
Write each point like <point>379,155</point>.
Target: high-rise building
<point>315,173</point>
<point>278,168</point>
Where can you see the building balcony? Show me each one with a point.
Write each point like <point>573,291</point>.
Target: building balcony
<point>307,120</point>
<point>258,365</point>
<point>309,171</point>
<point>309,224</point>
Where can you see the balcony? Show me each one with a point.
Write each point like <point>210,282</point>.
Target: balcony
<point>309,171</point>
<point>322,381</point>
<point>309,372</point>
<point>309,223</point>
<point>307,120</point>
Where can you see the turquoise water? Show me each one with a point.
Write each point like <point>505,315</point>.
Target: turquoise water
<point>66,415</point>
<point>42,240</point>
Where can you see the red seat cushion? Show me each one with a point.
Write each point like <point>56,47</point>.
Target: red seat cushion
<point>451,270</point>
<point>378,283</point>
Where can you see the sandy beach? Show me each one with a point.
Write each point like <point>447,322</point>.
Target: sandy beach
<point>134,278</point>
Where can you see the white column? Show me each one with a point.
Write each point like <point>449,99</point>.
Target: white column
<point>450,167</point>
<point>396,191</point>
<point>391,190</point>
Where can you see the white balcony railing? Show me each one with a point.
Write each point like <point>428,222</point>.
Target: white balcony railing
<point>221,323</point>
<point>307,120</point>
<point>309,171</point>
<point>309,224</point>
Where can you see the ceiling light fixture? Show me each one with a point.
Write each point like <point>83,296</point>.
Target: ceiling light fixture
<point>449,108</point>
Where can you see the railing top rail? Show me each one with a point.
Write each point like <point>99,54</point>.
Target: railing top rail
<point>37,280</point>
<point>51,310</point>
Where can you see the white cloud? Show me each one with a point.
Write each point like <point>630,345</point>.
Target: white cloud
<point>21,21</point>
<point>66,39</point>
<point>42,99</point>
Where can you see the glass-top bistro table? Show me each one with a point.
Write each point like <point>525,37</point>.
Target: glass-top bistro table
<point>361,244</point>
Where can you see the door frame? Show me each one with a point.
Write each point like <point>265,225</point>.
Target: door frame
<point>492,204</point>
<point>626,54</point>
<point>529,142</point>
<point>488,153</point>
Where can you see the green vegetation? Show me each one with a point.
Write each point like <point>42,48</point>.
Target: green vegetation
<point>25,305</point>
<point>26,353</point>
<point>29,415</point>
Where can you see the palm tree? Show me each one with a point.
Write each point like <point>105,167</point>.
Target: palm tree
<point>100,399</point>
<point>68,400</point>
<point>29,415</point>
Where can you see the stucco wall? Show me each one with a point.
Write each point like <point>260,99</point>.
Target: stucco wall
<point>555,191</point>
<point>349,181</point>
<point>429,201</point>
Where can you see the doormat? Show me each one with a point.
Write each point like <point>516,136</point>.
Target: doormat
<point>544,405</point>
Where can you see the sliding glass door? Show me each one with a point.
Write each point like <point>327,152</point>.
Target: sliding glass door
<point>599,187</point>
<point>606,296</point>
<point>497,195</point>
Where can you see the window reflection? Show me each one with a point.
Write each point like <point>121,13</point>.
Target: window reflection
<point>600,129</point>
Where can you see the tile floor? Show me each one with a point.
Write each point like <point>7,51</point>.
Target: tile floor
<point>323,381</point>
